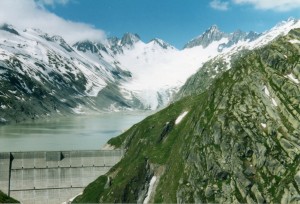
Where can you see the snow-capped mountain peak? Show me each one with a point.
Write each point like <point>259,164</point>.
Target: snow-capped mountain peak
<point>214,29</point>
<point>124,72</point>
<point>210,35</point>
<point>130,39</point>
<point>281,28</point>
<point>289,21</point>
<point>162,43</point>
<point>213,34</point>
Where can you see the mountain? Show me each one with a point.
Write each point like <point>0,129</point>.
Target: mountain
<point>213,34</point>
<point>235,140</point>
<point>214,68</point>
<point>129,39</point>
<point>42,75</point>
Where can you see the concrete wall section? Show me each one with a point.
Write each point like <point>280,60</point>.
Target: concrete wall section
<point>47,196</point>
<point>55,177</point>
<point>4,172</point>
<point>65,159</point>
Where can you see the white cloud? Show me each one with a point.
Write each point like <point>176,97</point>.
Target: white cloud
<point>31,14</point>
<point>219,5</point>
<point>276,5</point>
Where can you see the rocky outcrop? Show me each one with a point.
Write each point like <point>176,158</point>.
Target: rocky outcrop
<point>209,36</point>
<point>213,34</point>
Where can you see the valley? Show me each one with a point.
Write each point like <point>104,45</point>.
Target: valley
<point>43,76</point>
<point>214,122</point>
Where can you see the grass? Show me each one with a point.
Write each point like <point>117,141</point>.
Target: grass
<point>91,193</point>
<point>6,199</point>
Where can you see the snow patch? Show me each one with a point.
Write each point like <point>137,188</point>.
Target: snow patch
<point>71,199</point>
<point>78,110</point>
<point>266,90</point>
<point>113,108</point>
<point>13,92</point>
<point>294,41</point>
<point>3,120</point>
<point>150,189</point>
<point>293,78</point>
<point>126,94</point>
<point>2,71</point>
<point>3,106</point>
<point>63,100</point>
<point>263,125</point>
<point>274,102</point>
<point>108,147</point>
<point>93,89</point>
<point>178,120</point>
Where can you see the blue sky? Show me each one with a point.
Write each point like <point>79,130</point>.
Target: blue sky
<point>175,21</point>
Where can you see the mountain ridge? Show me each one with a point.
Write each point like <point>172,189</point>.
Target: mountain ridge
<point>113,77</point>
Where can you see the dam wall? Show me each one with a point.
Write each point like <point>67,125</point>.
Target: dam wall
<point>52,177</point>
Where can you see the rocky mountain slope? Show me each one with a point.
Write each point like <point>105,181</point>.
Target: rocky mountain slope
<point>211,69</point>
<point>234,141</point>
<point>41,75</point>
<point>214,34</point>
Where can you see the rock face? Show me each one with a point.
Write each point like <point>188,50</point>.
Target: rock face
<point>238,143</point>
<point>9,29</point>
<point>129,39</point>
<point>209,36</point>
<point>213,34</point>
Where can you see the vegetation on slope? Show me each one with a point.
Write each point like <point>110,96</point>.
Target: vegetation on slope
<point>6,199</point>
<point>239,141</point>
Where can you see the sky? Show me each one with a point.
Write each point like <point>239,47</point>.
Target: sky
<point>175,21</point>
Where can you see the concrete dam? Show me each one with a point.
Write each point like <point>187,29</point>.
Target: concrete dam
<point>52,177</point>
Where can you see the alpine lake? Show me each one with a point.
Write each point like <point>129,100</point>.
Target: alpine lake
<point>83,132</point>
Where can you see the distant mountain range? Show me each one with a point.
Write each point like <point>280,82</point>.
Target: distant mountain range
<point>43,76</point>
<point>213,34</point>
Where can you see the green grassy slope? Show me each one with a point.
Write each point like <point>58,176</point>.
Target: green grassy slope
<point>6,199</point>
